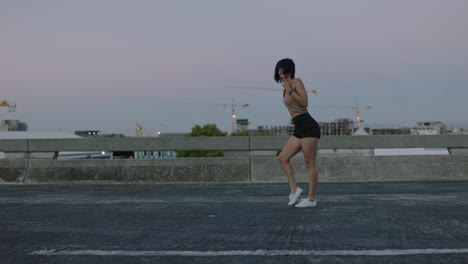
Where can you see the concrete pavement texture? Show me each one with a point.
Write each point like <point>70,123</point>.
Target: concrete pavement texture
<point>353,223</point>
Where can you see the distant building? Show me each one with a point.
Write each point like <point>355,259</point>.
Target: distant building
<point>96,133</point>
<point>13,125</point>
<point>88,133</point>
<point>242,125</point>
<point>454,131</point>
<point>391,131</point>
<point>339,127</point>
<point>362,131</point>
<point>281,130</point>
<point>273,130</point>
<point>429,128</point>
<point>138,131</point>
<point>457,131</point>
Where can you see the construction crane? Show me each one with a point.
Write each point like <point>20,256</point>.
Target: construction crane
<point>233,109</point>
<point>11,107</point>
<point>356,108</point>
<point>315,92</point>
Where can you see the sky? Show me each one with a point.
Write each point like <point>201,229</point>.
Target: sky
<point>111,64</point>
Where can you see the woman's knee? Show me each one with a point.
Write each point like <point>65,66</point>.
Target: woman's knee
<point>310,164</point>
<point>283,159</point>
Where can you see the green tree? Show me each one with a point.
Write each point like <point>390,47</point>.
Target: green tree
<point>209,130</point>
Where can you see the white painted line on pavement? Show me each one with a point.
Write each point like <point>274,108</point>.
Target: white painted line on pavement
<point>379,252</point>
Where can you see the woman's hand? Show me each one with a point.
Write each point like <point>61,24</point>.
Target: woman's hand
<point>287,85</point>
<point>297,91</point>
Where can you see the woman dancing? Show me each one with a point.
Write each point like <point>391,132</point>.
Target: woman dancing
<point>305,136</point>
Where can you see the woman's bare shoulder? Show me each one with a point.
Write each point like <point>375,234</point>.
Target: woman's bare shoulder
<point>298,81</point>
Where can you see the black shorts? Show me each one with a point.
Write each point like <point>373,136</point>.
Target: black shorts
<point>305,126</point>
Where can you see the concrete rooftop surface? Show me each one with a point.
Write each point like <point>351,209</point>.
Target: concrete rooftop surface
<point>353,223</point>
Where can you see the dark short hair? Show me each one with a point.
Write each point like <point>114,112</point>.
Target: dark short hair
<point>288,67</point>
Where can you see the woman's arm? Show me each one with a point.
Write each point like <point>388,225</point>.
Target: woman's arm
<point>298,92</point>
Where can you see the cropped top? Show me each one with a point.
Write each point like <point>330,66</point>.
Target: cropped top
<point>292,105</point>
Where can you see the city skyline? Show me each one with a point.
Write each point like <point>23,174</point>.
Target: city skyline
<point>111,65</point>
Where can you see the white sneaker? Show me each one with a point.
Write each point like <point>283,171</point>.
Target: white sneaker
<point>306,203</point>
<point>293,197</point>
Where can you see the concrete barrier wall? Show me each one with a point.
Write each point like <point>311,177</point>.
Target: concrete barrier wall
<point>368,142</point>
<point>248,159</point>
<point>13,170</point>
<point>367,169</point>
<point>251,143</point>
<point>126,144</point>
<point>162,170</point>
<point>13,145</point>
<point>256,169</point>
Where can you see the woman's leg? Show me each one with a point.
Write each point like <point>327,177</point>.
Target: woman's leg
<point>309,148</point>
<point>292,147</point>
